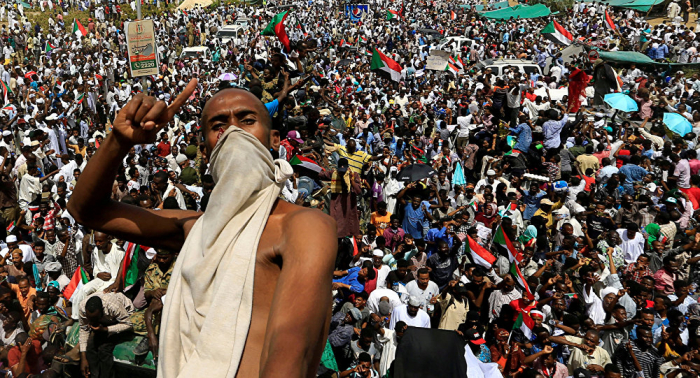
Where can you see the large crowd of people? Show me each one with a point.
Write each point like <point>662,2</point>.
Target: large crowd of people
<point>555,234</point>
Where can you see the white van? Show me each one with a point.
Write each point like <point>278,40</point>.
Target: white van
<point>454,44</point>
<point>498,66</point>
<point>230,31</point>
<point>196,52</point>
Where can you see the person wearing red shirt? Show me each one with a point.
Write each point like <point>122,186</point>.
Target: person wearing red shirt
<point>163,147</point>
<point>693,162</point>
<point>694,191</point>
<point>24,357</point>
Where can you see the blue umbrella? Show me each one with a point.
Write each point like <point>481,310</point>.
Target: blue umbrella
<point>458,176</point>
<point>677,123</point>
<point>621,101</point>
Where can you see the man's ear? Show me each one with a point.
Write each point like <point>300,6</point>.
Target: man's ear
<point>275,139</point>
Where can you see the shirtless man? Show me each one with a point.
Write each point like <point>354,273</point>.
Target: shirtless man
<point>293,267</point>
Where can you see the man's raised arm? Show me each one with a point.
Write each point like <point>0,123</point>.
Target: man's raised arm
<point>137,123</point>
<point>302,292</point>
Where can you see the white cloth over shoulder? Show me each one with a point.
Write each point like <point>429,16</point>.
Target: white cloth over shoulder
<point>210,297</point>
<point>478,369</point>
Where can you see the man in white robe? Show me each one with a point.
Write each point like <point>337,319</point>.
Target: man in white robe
<point>389,339</point>
<point>106,258</point>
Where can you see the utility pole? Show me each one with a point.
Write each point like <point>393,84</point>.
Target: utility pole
<point>138,10</point>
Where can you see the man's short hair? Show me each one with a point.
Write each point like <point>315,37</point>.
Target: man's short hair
<point>42,294</point>
<point>367,332</point>
<point>478,271</point>
<point>93,304</point>
<point>400,326</point>
<point>364,356</point>
<point>643,328</point>
<point>161,175</point>
<point>612,369</point>
<point>423,271</point>
<point>170,203</point>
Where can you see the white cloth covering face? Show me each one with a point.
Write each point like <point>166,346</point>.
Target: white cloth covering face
<point>210,297</point>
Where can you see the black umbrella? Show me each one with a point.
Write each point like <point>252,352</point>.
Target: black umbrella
<point>415,172</point>
<point>344,62</point>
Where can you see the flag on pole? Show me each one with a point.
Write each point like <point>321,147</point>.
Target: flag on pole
<point>355,250</point>
<point>418,154</point>
<point>503,243</point>
<point>49,47</point>
<point>5,91</point>
<point>457,61</point>
<point>520,279</point>
<point>381,62</point>
<point>78,28</point>
<point>453,15</point>
<point>304,162</point>
<point>79,279</point>
<point>301,27</point>
<point>130,268</point>
<point>391,14</point>
<point>276,27</point>
<point>524,323</point>
<point>343,43</point>
<point>363,39</point>
<point>557,34</point>
<point>11,226</point>
<point>452,69</point>
<point>609,21</point>
<point>81,98</point>
<point>479,254</point>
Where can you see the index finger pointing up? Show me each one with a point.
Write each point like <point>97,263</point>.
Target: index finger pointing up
<point>181,99</point>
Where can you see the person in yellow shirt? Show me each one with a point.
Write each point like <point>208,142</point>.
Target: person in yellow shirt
<point>588,161</point>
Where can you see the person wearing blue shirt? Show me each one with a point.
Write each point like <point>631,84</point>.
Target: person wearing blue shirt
<point>436,234</point>
<point>652,52</point>
<point>354,279</point>
<point>633,172</point>
<point>524,134</point>
<point>272,107</point>
<point>415,213</point>
<point>531,199</point>
<point>662,51</point>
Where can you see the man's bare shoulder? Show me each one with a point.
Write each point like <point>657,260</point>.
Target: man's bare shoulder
<point>297,216</point>
<point>185,218</point>
<point>303,225</point>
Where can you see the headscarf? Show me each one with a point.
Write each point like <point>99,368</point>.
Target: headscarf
<point>653,232</point>
<point>503,265</point>
<point>529,234</point>
<point>694,311</point>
